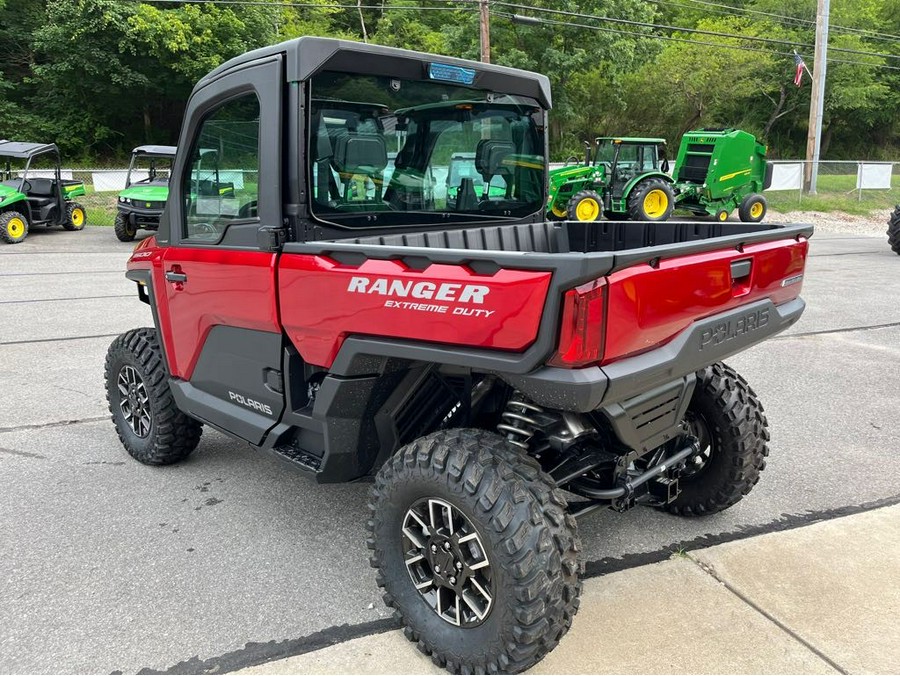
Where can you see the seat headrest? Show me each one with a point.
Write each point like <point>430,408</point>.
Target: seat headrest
<point>356,153</point>
<point>489,156</point>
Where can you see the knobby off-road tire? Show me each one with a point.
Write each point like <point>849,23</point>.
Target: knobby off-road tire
<point>76,217</point>
<point>651,200</point>
<point>13,227</point>
<point>125,231</point>
<point>526,536</point>
<point>155,432</point>
<point>893,231</point>
<point>729,420</point>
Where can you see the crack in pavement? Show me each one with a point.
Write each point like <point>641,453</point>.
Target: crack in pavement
<point>58,423</point>
<point>57,300</point>
<point>709,570</point>
<point>23,453</point>
<point>57,340</point>
<point>825,332</point>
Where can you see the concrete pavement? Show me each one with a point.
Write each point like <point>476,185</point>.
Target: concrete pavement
<point>821,599</point>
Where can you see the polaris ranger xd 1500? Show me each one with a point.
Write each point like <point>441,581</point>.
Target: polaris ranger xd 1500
<point>497,374</point>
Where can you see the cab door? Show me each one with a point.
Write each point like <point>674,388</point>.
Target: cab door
<point>217,286</point>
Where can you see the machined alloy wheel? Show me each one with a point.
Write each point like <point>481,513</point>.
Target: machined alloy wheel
<point>135,402</point>
<point>447,562</point>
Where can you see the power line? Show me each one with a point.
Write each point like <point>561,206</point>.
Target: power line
<point>654,36</point>
<point>681,29</point>
<point>300,5</point>
<point>794,19</point>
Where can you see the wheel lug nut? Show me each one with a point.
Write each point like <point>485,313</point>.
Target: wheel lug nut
<point>437,569</point>
<point>447,546</point>
<point>452,580</point>
<point>458,565</point>
<point>433,548</point>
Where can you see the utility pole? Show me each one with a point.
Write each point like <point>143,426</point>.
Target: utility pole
<point>485,24</point>
<point>817,100</point>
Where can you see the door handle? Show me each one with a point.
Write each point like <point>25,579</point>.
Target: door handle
<point>174,276</point>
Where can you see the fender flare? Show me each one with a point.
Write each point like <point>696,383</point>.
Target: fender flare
<point>626,192</point>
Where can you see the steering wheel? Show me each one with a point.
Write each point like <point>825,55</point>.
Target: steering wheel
<point>248,210</point>
<point>26,186</point>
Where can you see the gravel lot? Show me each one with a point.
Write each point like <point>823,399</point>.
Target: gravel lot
<point>110,565</point>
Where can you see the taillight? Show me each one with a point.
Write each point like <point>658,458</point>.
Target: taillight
<point>581,335</point>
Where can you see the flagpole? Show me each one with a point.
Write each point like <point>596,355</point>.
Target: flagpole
<point>817,100</point>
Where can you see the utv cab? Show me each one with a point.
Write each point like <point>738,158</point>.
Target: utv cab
<point>32,191</point>
<point>146,190</point>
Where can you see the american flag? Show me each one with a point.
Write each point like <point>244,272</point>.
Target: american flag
<point>801,66</point>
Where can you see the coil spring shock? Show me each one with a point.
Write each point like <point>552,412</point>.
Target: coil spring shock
<point>518,426</point>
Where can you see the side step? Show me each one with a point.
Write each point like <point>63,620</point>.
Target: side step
<point>299,458</point>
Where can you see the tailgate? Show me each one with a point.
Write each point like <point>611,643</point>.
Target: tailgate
<point>650,303</point>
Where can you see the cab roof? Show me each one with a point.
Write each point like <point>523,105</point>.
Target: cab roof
<point>306,56</point>
<point>158,151</point>
<point>22,149</point>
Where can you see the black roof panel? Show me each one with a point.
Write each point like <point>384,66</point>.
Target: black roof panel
<point>23,149</point>
<point>306,56</point>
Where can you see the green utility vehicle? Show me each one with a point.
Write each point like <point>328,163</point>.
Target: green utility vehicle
<point>720,170</point>
<point>143,200</point>
<point>626,179</point>
<point>716,171</point>
<point>33,192</point>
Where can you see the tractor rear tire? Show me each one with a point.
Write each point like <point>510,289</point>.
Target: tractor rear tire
<point>150,425</point>
<point>76,217</point>
<point>893,231</point>
<point>467,500</point>
<point>125,231</point>
<point>729,421</point>
<point>753,208</point>
<point>13,227</point>
<point>585,205</point>
<point>651,200</point>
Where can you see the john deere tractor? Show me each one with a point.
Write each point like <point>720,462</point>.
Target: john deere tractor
<point>623,178</point>
<point>716,172</point>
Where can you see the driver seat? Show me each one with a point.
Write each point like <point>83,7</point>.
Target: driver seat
<point>42,193</point>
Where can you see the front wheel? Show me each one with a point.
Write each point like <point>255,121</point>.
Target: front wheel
<point>651,200</point>
<point>13,227</point>
<point>150,426</point>
<point>475,551</point>
<point>124,230</point>
<point>76,217</point>
<point>585,205</point>
<point>729,421</point>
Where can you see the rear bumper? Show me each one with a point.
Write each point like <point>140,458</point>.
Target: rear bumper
<point>705,342</point>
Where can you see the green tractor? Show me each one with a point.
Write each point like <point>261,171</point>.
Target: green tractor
<point>716,172</point>
<point>625,179</point>
<point>142,201</point>
<point>33,192</point>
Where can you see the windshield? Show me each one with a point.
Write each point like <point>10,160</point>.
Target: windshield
<point>149,170</point>
<point>390,152</point>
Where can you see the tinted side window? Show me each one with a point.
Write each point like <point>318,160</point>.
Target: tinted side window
<point>221,184</point>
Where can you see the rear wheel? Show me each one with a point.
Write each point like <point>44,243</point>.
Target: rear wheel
<point>729,421</point>
<point>76,217</point>
<point>475,551</point>
<point>893,231</point>
<point>585,205</point>
<point>753,208</point>
<point>651,200</point>
<point>125,231</point>
<point>13,227</point>
<point>150,426</point>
